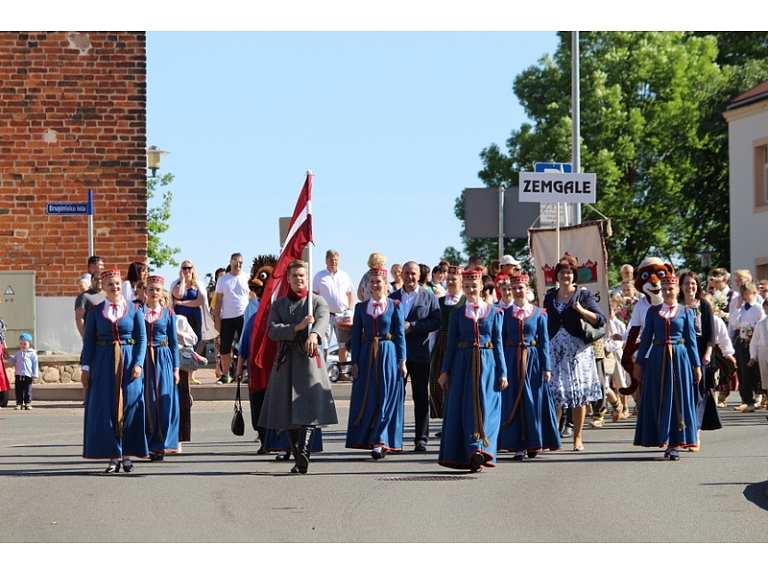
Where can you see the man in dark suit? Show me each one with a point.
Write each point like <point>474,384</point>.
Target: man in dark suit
<point>422,316</point>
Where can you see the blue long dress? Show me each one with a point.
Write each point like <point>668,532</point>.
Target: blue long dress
<point>161,393</point>
<point>472,414</point>
<point>528,417</point>
<point>194,315</point>
<point>114,406</point>
<point>667,355</point>
<point>377,404</point>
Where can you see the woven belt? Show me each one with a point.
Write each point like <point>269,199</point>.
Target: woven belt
<point>533,343</point>
<point>486,345</point>
<point>681,341</point>
<point>159,344</point>
<point>126,342</point>
<point>386,336</point>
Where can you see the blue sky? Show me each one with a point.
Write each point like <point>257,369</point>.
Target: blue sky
<point>390,123</point>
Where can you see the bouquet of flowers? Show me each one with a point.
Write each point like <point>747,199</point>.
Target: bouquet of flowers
<point>719,304</point>
<point>624,310</point>
<point>745,331</point>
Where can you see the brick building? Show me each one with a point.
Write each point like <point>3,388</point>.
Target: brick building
<point>72,118</point>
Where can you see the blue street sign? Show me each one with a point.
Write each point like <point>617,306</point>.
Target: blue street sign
<point>72,208</point>
<point>65,209</point>
<point>552,167</point>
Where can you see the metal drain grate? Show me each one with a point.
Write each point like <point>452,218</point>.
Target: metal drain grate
<point>428,478</point>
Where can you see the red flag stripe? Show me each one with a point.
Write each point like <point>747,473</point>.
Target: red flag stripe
<point>264,350</point>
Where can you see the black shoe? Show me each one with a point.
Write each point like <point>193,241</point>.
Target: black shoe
<point>113,467</point>
<point>666,453</point>
<point>476,462</point>
<point>378,453</point>
<point>156,456</point>
<point>519,456</point>
<point>283,456</point>
<point>532,454</point>
<point>674,455</point>
<point>303,448</point>
<point>420,447</point>
<point>127,466</point>
<point>293,439</point>
<point>261,451</point>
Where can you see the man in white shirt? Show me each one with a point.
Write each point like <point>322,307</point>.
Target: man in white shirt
<point>95,267</point>
<point>627,273</point>
<point>231,301</point>
<point>336,288</point>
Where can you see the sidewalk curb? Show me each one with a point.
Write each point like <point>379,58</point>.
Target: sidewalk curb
<point>203,392</point>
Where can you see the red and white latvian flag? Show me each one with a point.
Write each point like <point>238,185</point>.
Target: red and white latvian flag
<point>263,349</point>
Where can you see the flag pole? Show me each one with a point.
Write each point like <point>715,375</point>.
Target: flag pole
<point>309,255</point>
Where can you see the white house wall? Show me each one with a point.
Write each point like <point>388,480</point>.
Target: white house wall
<point>749,229</point>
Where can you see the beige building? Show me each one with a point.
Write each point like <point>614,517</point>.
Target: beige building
<point>747,117</point>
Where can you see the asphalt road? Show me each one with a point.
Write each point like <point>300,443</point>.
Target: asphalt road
<point>218,490</point>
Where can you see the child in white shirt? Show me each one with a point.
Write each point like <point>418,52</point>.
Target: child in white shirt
<point>741,325</point>
<point>25,364</point>
<point>758,351</point>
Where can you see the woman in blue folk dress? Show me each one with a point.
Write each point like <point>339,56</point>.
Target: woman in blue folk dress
<point>669,361</point>
<point>114,345</point>
<point>528,416</point>
<point>473,375</point>
<point>376,409</point>
<point>161,373</point>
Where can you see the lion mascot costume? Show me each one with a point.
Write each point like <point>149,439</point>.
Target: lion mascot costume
<point>647,282</point>
<point>261,271</point>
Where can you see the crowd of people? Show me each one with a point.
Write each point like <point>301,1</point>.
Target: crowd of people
<point>503,372</point>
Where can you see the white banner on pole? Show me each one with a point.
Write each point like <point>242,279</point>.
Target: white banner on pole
<point>552,187</point>
<point>583,241</point>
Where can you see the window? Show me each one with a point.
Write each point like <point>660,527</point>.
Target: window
<point>761,173</point>
<point>765,174</point>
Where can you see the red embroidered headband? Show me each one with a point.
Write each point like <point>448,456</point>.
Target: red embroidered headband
<point>377,272</point>
<point>106,274</point>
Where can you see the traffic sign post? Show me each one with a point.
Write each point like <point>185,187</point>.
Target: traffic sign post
<point>543,167</point>
<point>551,183</point>
<point>75,209</point>
<point>557,188</point>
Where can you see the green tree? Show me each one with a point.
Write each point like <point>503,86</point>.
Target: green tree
<point>453,256</point>
<point>652,130</point>
<point>158,253</point>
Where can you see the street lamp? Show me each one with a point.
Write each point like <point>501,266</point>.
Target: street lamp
<point>153,159</point>
<point>706,259</point>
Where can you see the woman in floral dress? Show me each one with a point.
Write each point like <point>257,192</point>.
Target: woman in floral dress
<point>575,381</point>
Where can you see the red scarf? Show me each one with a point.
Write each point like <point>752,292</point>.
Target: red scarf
<point>297,295</point>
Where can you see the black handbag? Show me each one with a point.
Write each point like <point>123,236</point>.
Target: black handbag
<point>591,333</point>
<point>238,423</point>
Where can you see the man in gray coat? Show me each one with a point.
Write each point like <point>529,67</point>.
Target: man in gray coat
<point>298,396</point>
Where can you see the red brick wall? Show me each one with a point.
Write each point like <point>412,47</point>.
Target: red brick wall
<point>72,118</point>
